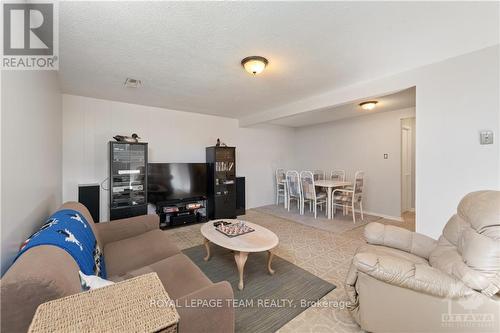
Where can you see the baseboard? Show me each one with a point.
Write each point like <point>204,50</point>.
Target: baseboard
<point>388,217</point>
<point>384,216</point>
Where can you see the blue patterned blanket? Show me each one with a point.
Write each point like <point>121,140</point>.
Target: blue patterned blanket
<point>70,231</point>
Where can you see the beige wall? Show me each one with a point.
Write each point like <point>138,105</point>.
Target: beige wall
<point>31,152</point>
<point>456,99</point>
<point>359,143</point>
<point>173,136</point>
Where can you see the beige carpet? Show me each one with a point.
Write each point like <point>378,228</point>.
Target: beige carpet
<point>339,224</point>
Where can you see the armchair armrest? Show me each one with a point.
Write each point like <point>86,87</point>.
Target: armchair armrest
<point>125,228</point>
<point>415,276</point>
<point>207,310</point>
<point>400,239</point>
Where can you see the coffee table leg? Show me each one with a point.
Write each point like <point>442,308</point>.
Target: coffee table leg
<point>269,260</point>
<point>207,246</point>
<point>241,259</point>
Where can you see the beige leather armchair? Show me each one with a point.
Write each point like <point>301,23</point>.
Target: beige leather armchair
<point>402,281</point>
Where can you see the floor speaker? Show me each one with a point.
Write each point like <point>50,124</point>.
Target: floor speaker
<point>88,195</point>
<point>240,196</point>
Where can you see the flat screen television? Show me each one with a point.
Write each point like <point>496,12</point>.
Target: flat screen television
<point>169,181</point>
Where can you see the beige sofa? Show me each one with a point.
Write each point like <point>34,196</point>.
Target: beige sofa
<point>407,282</point>
<point>131,247</point>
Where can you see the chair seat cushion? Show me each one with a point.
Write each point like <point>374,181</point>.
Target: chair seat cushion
<point>136,252</point>
<point>320,195</point>
<point>343,197</point>
<point>179,275</point>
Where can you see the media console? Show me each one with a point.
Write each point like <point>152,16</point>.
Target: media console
<point>178,212</point>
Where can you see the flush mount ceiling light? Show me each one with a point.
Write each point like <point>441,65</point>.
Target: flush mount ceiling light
<point>254,64</point>
<point>368,105</point>
<point>132,83</point>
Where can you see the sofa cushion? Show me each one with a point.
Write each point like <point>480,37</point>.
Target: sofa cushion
<point>469,248</point>
<point>481,210</point>
<point>132,253</point>
<point>179,275</point>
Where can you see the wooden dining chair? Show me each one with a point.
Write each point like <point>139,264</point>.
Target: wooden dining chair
<point>319,175</point>
<point>280,185</point>
<point>338,175</point>
<point>344,197</point>
<point>293,188</point>
<point>309,193</point>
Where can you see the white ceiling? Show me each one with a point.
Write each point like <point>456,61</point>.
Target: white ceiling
<point>396,101</point>
<point>188,53</point>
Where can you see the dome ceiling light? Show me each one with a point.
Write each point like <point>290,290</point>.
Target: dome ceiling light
<point>368,105</point>
<point>254,64</point>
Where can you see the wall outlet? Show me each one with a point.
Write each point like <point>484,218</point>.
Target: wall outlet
<point>386,156</point>
<point>486,137</point>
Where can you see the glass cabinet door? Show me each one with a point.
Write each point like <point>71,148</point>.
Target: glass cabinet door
<point>128,172</point>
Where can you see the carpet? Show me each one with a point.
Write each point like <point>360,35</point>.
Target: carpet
<point>339,224</point>
<point>268,301</point>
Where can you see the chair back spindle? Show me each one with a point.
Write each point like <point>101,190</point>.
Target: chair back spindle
<point>307,185</point>
<point>338,175</point>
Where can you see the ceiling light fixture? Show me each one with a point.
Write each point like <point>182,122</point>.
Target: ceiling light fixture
<point>369,105</point>
<point>254,64</point>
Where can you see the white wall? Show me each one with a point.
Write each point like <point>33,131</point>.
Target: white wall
<point>31,155</point>
<point>455,99</point>
<point>173,136</point>
<point>359,143</point>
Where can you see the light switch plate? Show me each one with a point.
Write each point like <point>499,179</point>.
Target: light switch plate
<point>486,137</point>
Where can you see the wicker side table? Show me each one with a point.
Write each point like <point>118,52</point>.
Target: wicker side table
<point>140,304</point>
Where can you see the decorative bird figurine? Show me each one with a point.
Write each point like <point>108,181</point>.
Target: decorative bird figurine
<point>123,138</point>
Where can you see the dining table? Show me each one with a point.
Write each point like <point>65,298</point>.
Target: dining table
<point>330,185</point>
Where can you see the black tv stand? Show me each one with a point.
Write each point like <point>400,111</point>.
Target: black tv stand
<point>177,212</point>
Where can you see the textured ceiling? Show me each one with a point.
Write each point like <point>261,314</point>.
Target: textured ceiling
<point>188,53</point>
<point>396,101</point>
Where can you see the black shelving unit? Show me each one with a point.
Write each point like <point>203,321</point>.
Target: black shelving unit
<point>221,169</point>
<point>128,179</point>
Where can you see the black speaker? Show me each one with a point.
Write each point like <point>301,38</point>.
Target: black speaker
<point>88,195</point>
<point>240,196</point>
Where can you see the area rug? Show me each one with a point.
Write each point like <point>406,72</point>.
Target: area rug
<point>337,225</point>
<point>268,301</point>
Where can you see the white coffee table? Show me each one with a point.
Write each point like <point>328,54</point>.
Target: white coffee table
<point>260,240</point>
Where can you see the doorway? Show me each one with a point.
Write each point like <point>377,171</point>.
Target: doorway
<point>407,165</point>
